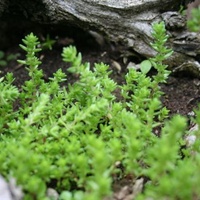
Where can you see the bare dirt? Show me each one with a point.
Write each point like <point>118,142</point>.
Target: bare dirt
<point>181,92</point>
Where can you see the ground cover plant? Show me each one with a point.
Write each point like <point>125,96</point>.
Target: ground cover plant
<point>74,139</point>
<point>194,23</point>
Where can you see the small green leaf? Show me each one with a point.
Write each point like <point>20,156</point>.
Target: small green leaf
<point>145,66</point>
<point>167,55</point>
<point>1,54</point>
<point>3,63</point>
<point>12,57</point>
<point>65,195</point>
<point>23,62</point>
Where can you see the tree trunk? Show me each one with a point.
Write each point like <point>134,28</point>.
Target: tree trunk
<point>127,22</point>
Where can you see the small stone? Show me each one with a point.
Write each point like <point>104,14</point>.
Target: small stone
<point>133,65</point>
<point>196,82</point>
<point>52,194</point>
<point>4,190</point>
<point>138,186</point>
<point>117,66</point>
<point>190,140</point>
<point>9,191</point>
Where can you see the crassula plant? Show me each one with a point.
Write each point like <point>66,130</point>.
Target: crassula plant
<point>71,137</point>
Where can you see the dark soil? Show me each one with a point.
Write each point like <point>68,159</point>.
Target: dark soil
<point>181,93</point>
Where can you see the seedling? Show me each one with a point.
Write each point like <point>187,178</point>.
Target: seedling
<point>48,43</point>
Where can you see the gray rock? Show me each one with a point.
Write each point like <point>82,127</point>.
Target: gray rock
<point>9,190</point>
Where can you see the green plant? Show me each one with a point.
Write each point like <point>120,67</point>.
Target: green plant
<point>5,59</point>
<point>2,61</point>
<point>144,101</point>
<point>72,137</point>
<point>182,10</point>
<point>48,43</point>
<point>194,23</point>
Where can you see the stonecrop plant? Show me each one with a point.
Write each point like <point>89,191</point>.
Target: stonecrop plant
<point>71,137</point>
<point>194,23</point>
<point>5,59</point>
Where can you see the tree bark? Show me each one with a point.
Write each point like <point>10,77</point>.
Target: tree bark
<point>128,22</point>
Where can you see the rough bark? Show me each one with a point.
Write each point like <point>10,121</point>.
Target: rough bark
<point>127,22</point>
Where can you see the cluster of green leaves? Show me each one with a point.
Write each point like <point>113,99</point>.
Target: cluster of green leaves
<point>48,43</point>
<point>194,23</point>
<point>73,136</point>
<point>4,60</point>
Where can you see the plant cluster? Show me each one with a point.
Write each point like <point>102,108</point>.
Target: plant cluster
<point>71,138</point>
<point>194,23</point>
<point>4,60</point>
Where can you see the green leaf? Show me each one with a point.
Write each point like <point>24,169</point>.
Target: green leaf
<point>65,195</point>
<point>145,66</point>
<point>1,54</point>
<point>12,57</point>
<point>167,55</point>
<point>3,63</point>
